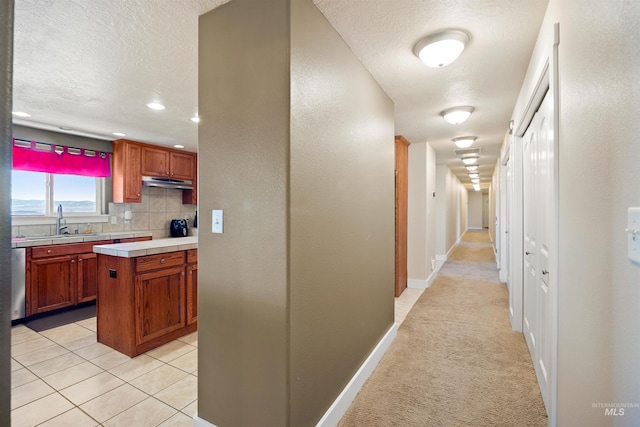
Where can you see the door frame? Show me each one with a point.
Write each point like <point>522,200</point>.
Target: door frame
<point>547,80</point>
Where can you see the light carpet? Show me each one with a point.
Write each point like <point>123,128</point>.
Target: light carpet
<point>455,360</point>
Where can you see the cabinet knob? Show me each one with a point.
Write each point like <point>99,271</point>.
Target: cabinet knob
<point>182,274</point>
<point>190,271</point>
<point>48,251</point>
<point>162,261</point>
<point>72,261</point>
<point>80,260</point>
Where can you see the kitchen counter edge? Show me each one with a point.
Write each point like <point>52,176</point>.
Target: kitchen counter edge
<point>150,247</point>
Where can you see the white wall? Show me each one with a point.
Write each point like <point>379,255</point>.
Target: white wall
<point>451,210</point>
<point>421,239</point>
<point>598,178</point>
<point>474,220</point>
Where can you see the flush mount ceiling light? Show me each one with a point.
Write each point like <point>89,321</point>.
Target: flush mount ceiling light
<point>456,115</point>
<point>464,141</point>
<point>472,168</point>
<point>474,175</point>
<point>476,187</point>
<point>469,160</point>
<point>195,119</point>
<point>119,134</point>
<point>178,146</point>
<point>441,49</point>
<point>21,114</point>
<point>476,180</point>
<point>155,106</point>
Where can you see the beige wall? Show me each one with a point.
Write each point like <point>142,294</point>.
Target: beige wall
<point>598,158</point>
<point>421,239</point>
<point>474,219</point>
<point>299,288</point>
<point>451,210</point>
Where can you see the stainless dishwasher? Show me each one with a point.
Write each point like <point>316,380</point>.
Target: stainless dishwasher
<point>18,272</point>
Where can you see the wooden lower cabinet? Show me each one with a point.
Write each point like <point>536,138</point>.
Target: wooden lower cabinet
<point>52,284</point>
<point>159,303</point>
<point>64,275</point>
<point>192,293</point>
<point>87,277</point>
<point>144,302</point>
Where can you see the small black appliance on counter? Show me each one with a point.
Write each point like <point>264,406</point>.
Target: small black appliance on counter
<point>179,228</point>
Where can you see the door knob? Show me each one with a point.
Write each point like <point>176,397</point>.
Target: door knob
<point>545,272</point>
<point>528,253</point>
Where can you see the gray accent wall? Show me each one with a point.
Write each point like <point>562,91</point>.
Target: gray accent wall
<point>6,78</point>
<point>297,139</point>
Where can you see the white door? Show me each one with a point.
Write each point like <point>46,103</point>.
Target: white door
<point>538,199</point>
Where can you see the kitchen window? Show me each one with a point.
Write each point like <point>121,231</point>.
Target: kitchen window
<point>39,194</point>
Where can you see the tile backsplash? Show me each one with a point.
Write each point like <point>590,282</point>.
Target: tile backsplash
<point>159,206</point>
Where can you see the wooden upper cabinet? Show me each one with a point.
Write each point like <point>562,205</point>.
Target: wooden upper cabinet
<point>162,163</point>
<point>155,162</point>
<point>182,165</point>
<point>132,160</point>
<point>126,174</point>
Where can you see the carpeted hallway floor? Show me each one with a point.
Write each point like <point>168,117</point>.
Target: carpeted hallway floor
<point>455,361</point>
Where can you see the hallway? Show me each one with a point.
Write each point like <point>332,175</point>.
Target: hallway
<point>456,360</point>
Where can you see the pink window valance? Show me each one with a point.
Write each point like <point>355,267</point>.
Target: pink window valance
<point>43,157</point>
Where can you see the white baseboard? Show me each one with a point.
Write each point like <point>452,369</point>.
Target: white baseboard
<point>199,422</point>
<point>337,410</point>
<point>417,283</point>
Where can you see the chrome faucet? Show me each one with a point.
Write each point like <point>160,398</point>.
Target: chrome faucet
<point>59,219</point>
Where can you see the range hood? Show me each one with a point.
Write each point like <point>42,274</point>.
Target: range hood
<point>180,184</point>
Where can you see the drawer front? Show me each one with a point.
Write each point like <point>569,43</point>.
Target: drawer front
<point>66,249</point>
<point>192,256</point>
<point>156,262</point>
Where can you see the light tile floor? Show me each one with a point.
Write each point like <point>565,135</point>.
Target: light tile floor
<point>64,377</point>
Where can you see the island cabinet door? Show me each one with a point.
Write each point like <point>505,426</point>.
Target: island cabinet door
<point>192,293</point>
<point>159,303</point>
<point>53,283</point>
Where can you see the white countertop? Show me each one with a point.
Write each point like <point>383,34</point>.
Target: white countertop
<point>150,247</point>
<point>23,242</point>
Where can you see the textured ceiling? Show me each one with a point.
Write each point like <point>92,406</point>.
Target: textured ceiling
<point>93,65</point>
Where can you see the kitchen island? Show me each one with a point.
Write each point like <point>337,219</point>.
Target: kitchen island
<point>147,293</point>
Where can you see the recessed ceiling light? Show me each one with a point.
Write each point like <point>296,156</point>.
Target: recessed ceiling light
<point>178,146</point>
<point>472,168</point>
<point>474,175</point>
<point>21,114</point>
<point>155,106</point>
<point>464,141</point>
<point>119,134</point>
<point>441,49</point>
<point>469,160</point>
<point>195,119</point>
<point>457,115</point>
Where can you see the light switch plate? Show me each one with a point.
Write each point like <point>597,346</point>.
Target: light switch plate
<point>633,235</point>
<point>217,221</point>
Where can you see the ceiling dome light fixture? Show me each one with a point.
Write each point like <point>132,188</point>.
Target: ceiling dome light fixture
<point>156,106</point>
<point>456,115</point>
<point>475,180</point>
<point>464,141</point>
<point>469,160</point>
<point>195,119</point>
<point>472,168</point>
<point>119,134</point>
<point>474,175</point>
<point>21,114</point>
<point>441,49</point>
